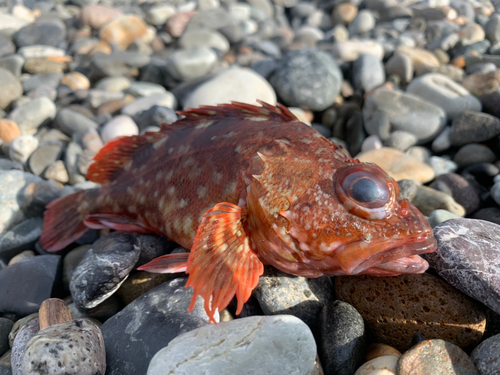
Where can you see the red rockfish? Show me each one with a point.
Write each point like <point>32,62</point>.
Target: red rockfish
<point>242,186</point>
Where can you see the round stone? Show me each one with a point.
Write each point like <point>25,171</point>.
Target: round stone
<point>44,31</point>
<point>473,127</point>
<point>474,153</point>
<point>124,30</point>
<point>368,72</point>
<point>486,356</point>
<point>189,64</point>
<point>30,116</point>
<point>8,130</point>
<point>119,126</point>
<point>204,38</point>
<point>22,147</point>
<point>11,88</point>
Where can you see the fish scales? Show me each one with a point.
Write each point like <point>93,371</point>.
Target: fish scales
<point>243,186</point>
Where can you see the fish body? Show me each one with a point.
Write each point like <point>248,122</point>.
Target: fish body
<point>242,186</point>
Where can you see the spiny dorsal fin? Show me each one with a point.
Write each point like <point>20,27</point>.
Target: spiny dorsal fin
<point>117,153</point>
<point>236,110</point>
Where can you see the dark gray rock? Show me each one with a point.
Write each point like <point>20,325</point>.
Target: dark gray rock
<point>71,348</point>
<point>38,194</point>
<point>25,333</point>
<point>36,80</point>
<point>71,122</point>
<point>22,237</point>
<point>134,335</point>
<point>5,327</point>
<point>117,64</point>
<point>25,285</point>
<point>491,214</point>
<point>71,261</point>
<point>103,268</point>
<point>7,165</point>
<point>459,188</point>
<point>155,116</point>
<point>281,293</point>
<point>44,31</point>
<point>473,127</point>
<point>486,356</point>
<point>467,258</point>
<point>368,72</point>
<point>342,344</point>
<point>474,153</point>
<point>153,246</point>
<point>489,103</point>
<point>308,79</point>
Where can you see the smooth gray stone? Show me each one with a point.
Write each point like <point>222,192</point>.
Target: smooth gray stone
<point>486,356</point>
<point>117,64</point>
<point>34,114</point>
<point>30,281</point>
<point>474,153</point>
<point>71,122</point>
<point>473,127</point>
<point>50,79</point>
<point>11,88</point>
<point>368,72</point>
<point>22,237</point>
<point>44,31</point>
<point>46,154</point>
<point>134,335</point>
<point>5,327</point>
<point>13,63</point>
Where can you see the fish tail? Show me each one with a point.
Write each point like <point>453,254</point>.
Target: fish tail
<point>64,220</point>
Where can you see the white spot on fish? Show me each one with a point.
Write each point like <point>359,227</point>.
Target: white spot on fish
<point>216,178</point>
<point>171,190</point>
<point>159,143</point>
<point>201,192</point>
<point>204,125</point>
<point>183,203</point>
<point>256,118</point>
<point>132,209</point>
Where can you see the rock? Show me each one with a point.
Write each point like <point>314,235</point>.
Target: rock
<point>76,81</point>
<point>152,246</point>
<point>42,66</point>
<point>492,28</point>
<point>473,153</point>
<point>280,293</point>
<point>204,38</point>
<point>363,23</point>
<point>442,142</point>
<point>482,82</point>
<point>429,355</point>
<point>139,283</point>
<point>273,345</point>
<point>25,333</point>
<point>473,127</point>
<point>189,64</point>
<point>385,111</point>
<point>12,63</point>
<point>486,356</point>
<point>401,140</point>
<point>491,214</point>
<point>439,216</point>
<point>384,365</point>
<point>422,59</point>
<point>155,116</point>
<point>43,31</point>
<point>36,80</point>
<point>30,116</point>
<point>441,165</point>
<point>118,64</point>
<point>22,237</point>
<point>22,147</point>
<point>38,195</point>
<point>368,72</point>
<point>343,338</point>
<point>139,89</point>
<point>159,14</point>
<point>401,65</point>
<point>234,84</point>
<point>71,122</point>
<point>469,245</point>
<point>445,93</point>
<point>10,24</point>
<point>8,130</point>
<point>72,158</point>
<point>113,84</point>
<point>148,324</point>
<point>11,88</point>
<point>57,172</point>
<point>71,261</point>
<point>12,185</point>
<point>376,350</point>
<point>125,30</point>
<point>412,303</point>
<point>46,154</point>
<point>166,99</point>
<point>428,200</point>
<point>103,269</point>
<point>460,189</point>
<point>350,50</point>
<point>31,281</point>
<point>5,327</point>
<point>398,165</point>
<point>96,16</point>
<point>71,348</point>
<point>40,51</point>
<point>119,126</point>
<point>26,254</point>
<point>344,13</point>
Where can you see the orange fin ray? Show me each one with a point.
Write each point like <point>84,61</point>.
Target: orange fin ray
<point>116,222</point>
<point>171,263</point>
<point>221,263</point>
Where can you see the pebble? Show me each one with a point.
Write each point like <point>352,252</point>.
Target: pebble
<point>193,63</point>
<point>46,154</point>
<point>43,31</point>
<point>473,153</point>
<point>459,188</point>
<point>148,324</point>
<point>378,350</point>
<point>279,344</point>
<point>471,246</point>
<point>429,355</point>
<point>96,16</point>
<point>74,347</point>
<point>401,140</point>
<point>124,30</point>
<point>11,88</point>
<point>473,127</point>
<point>398,165</point>
<point>441,165</point>
<point>5,327</point>
<point>368,72</point>
<point>143,104</point>
<point>119,126</point>
<point>34,114</point>
<point>8,130</point>
<point>486,356</point>
<point>383,365</point>
<point>401,65</point>
<point>235,84</point>
<point>445,93</point>
<point>70,122</point>
<point>439,216</point>
<point>24,333</point>
<point>199,38</point>
<point>103,268</point>
<point>428,199</point>
<point>21,237</point>
<point>411,303</point>
<point>350,50</point>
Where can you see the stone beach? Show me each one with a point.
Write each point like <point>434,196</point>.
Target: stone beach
<point>413,86</point>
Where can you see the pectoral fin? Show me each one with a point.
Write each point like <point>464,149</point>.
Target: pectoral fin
<point>221,263</point>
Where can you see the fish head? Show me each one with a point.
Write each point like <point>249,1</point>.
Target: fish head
<point>336,216</point>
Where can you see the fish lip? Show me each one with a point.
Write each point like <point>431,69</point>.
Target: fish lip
<point>356,257</point>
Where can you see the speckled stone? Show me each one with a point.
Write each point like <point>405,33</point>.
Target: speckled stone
<point>272,345</point>
<point>72,348</point>
<point>103,269</point>
<point>435,356</point>
<point>25,333</point>
<point>467,258</point>
<point>473,127</point>
<point>412,303</point>
<point>459,188</point>
<point>486,356</point>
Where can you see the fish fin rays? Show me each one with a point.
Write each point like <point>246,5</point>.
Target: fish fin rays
<point>116,222</point>
<point>117,153</point>
<point>171,263</point>
<point>221,263</point>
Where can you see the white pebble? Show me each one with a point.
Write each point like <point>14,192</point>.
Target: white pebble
<point>118,127</point>
<point>22,147</point>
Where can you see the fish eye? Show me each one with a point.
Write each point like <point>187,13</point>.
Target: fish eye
<point>366,191</point>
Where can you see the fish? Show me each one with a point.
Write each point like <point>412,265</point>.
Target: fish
<point>243,186</point>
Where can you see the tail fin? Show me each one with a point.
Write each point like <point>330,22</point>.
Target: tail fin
<point>63,221</point>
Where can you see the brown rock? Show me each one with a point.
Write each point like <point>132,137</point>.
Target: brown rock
<point>76,80</point>
<point>139,283</point>
<point>432,357</point>
<point>395,308</point>
<point>176,24</point>
<point>379,350</point>
<point>96,16</point>
<point>344,13</point>
<point>53,311</point>
<point>482,83</point>
<point>421,58</point>
<point>102,46</point>
<point>124,30</point>
<point>8,130</point>
<point>43,66</point>
<point>398,165</point>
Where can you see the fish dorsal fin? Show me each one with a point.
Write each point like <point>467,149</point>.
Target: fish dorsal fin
<point>117,153</point>
<point>221,263</point>
<point>236,110</point>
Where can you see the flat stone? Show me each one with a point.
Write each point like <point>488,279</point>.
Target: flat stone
<point>71,122</point>
<point>460,189</point>
<point>474,153</point>
<point>124,30</point>
<point>431,355</point>
<point>71,348</point>
<point>402,65</point>
<point>30,116</point>
<point>96,16</point>
<point>46,154</point>
<point>486,356</point>
<point>467,258</point>
<point>368,72</point>
<point>134,335</point>
<point>166,99</point>
<point>428,199</point>
<point>21,237</point>
<point>473,127</point>
<point>22,147</point>
<point>103,268</point>
<point>11,88</point>
<point>350,50</point>
<point>274,345</point>
<point>412,303</point>
<point>119,126</point>
<point>30,281</point>
<point>118,64</point>
<point>421,58</point>
<point>43,31</point>
<point>199,38</point>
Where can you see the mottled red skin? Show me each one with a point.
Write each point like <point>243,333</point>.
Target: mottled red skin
<point>281,172</point>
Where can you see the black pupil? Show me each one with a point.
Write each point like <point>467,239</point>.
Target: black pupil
<point>365,190</point>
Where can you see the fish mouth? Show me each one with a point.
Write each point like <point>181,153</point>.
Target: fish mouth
<point>392,257</point>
